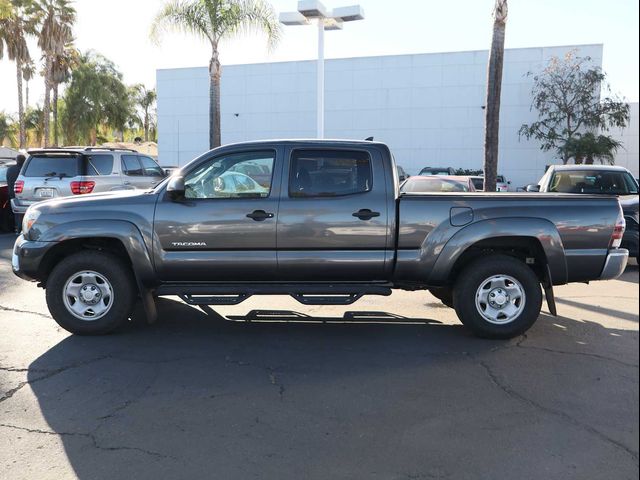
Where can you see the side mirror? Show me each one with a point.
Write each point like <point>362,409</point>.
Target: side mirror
<point>175,188</point>
<point>532,188</point>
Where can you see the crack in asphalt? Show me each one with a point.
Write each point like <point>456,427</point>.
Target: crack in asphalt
<point>26,312</point>
<point>511,392</point>
<point>523,338</point>
<point>91,437</point>
<point>10,393</point>
<point>582,354</point>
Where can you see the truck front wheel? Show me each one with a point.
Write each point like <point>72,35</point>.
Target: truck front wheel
<point>497,297</point>
<point>91,293</point>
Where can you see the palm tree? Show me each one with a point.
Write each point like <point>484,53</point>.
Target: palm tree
<point>56,22</point>
<point>494,88</point>
<point>33,122</point>
<point>63,63</point>
<point>14,28</point>
<point>145,99</point>
<point>214,21</point>
<point>7,129</point>
<point>588,147</point>
<point>28,71</point>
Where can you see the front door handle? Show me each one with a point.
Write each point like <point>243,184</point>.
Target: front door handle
<point>365,214</point>
<point>259,215</point>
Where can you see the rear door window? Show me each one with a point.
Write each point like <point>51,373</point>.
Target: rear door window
<point>53,166</point>
<point>327,173</point>
<point>99,164</point>
<point>131,166</point>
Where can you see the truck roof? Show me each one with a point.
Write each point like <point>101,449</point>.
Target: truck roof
<point>310,141</point>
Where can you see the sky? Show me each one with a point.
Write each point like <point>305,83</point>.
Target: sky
<point>119,29</point>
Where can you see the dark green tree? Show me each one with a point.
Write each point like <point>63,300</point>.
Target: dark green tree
<point>588,147</point>
<point>95,99</point>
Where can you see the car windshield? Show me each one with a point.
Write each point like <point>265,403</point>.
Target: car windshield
<point>3,173</point>
<point>435,171</point>
<point>52,166</point>
<point>594,182</point>
<point>426,185</point>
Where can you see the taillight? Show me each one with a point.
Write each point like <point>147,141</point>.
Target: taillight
<point>618,232</point>
<point>80,188</point>
<point>18,186</point>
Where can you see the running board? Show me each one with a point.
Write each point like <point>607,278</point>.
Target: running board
<point>307,294</point>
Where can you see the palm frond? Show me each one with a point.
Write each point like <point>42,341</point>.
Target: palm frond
<point>242,17</point>
<point>190,16</point>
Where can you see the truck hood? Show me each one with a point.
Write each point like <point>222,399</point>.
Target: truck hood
<point>94,200</point>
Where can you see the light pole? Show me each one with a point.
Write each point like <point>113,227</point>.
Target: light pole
<point>309,10</point>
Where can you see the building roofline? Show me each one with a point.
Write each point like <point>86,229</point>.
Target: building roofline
<point>388,55</point>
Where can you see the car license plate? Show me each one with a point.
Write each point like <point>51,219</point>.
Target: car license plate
<point>46,192</point>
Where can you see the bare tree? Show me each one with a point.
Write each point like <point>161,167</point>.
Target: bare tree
<point>494,89</point>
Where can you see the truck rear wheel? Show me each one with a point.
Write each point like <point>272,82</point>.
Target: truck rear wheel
<point>498,297</point>
<point>91,293</point>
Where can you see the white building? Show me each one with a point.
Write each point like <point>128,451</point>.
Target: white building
<point>427,107</point>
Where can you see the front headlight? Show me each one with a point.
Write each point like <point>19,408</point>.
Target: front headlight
<point>29,219</point>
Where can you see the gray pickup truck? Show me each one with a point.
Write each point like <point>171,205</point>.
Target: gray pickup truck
<point>322,221</point>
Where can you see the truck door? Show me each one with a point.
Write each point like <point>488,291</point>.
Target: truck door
<point>225,227</point>
<point>333,221</point>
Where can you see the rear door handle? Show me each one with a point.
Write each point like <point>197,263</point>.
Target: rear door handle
<point>259,215</point>
<point>365,214</point>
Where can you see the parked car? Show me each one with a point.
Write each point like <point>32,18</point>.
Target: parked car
<point>502,184</point>
<point>438,183</point>
<point>598,180</point>
<point>331,228</point>
<point>438,171</point>
<point>6,216</point>
<point>64,172</point>
<point>402,175</point>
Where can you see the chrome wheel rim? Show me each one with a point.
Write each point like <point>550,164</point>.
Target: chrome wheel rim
<point>87,295</point>
<point>500,299</point>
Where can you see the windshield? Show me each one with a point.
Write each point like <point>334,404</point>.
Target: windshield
<point>3,173</point>
<point>594,182</point>
<point>52,166</point>
<point>425,185</point>
<point>435,171</point>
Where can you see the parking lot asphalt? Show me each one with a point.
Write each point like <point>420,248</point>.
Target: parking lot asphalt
<point>408,394</point>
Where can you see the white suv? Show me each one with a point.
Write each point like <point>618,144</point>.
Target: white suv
<point>63,172</point>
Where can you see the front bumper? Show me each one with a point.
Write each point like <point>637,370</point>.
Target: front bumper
<point>615,264</point>
<point>27,256</point>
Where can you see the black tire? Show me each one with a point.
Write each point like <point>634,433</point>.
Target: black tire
<point>444,294</point>
<point>110,267</point>
<point>475,275</point>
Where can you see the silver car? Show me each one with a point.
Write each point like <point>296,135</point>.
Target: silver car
<point>64,172</point>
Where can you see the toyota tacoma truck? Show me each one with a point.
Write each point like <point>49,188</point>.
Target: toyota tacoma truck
<point>322,221</point>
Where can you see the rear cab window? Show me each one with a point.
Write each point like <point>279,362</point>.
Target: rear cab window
<point>329,173</point>
<point>53,166</point>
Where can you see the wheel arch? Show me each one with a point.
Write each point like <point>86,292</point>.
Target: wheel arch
<point>537,241</point>
<point>114,236</point>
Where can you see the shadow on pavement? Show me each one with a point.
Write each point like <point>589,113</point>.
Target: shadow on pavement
<point>196,396</point>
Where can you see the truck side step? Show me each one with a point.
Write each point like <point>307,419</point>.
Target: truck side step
<point>214,300</point>
<point>307,294</point>
<point>346,299</point>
